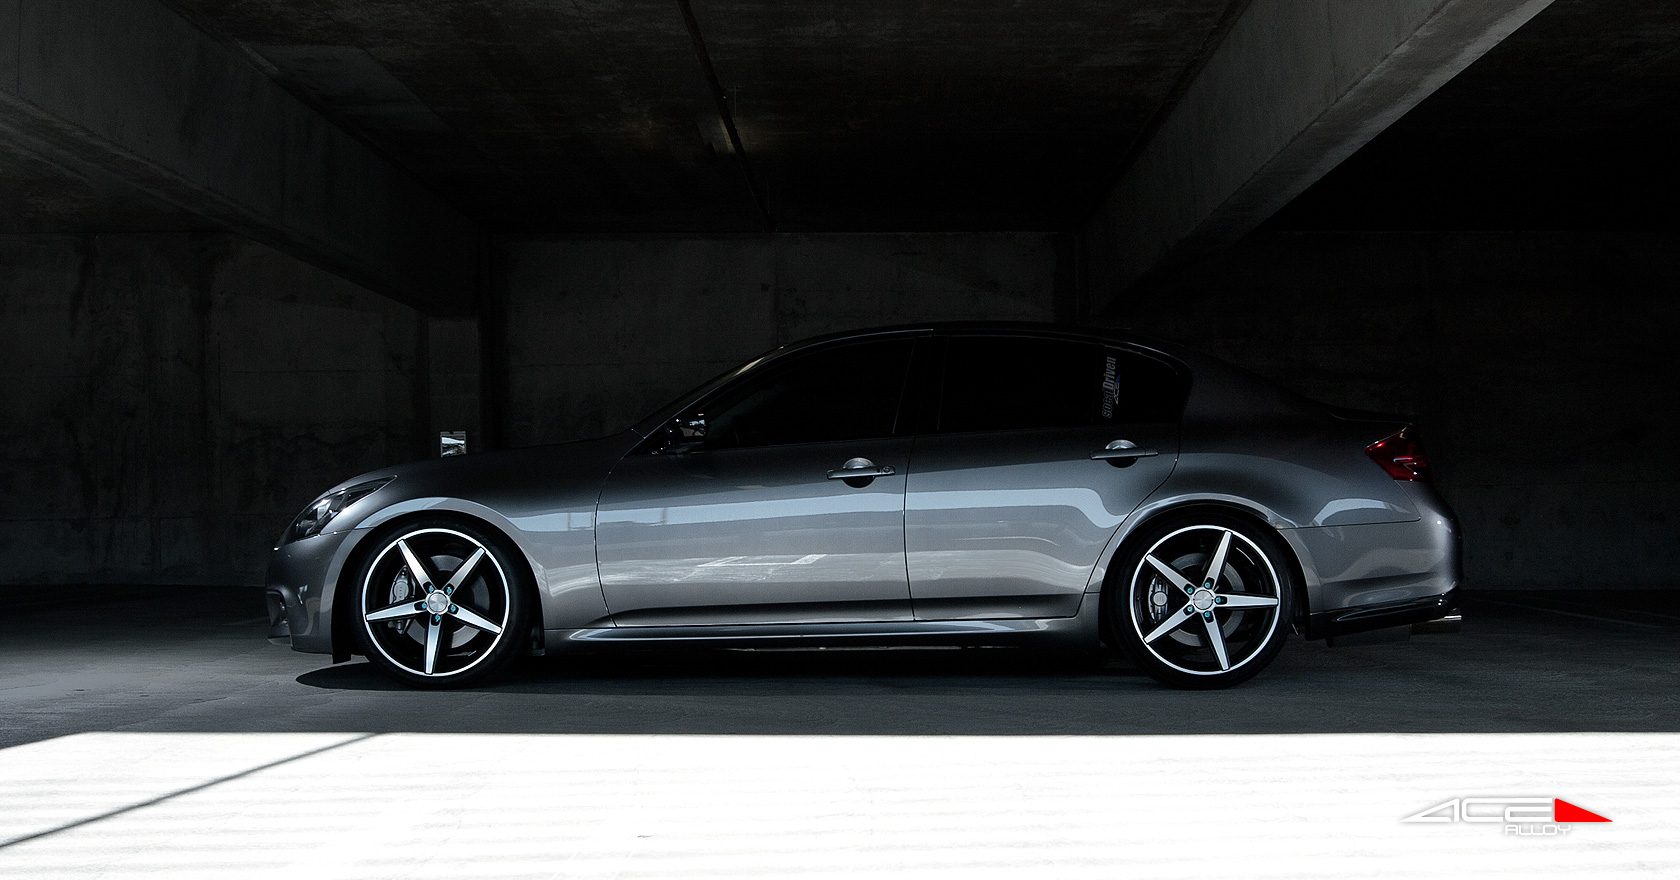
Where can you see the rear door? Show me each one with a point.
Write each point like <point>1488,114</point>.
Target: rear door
<point>1036,449</point>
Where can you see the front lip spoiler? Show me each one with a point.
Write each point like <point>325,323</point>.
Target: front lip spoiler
<point>1345,621</point>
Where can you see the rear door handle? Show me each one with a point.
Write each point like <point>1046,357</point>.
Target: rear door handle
<point>860,468</point>
<point>1122,450</point>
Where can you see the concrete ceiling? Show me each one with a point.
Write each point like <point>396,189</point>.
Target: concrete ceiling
<point>589,116</point>
<point>1573,122</point>
<point>531,115</point>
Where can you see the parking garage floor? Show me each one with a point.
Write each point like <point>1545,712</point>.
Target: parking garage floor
<point>153,731</point>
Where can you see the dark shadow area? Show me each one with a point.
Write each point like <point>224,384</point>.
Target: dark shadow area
<point>789,663</point>
<point>194,659</point>
<point>779,672</point>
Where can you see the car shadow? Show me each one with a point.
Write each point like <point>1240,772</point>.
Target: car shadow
<point>767,671</point>
<point>1507,671</point>
<point>195,659</point>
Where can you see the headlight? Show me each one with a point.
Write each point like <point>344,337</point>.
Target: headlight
<point>314,518</point>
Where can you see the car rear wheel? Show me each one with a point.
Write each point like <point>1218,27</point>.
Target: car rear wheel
<point>439,604</point>
<point>1202,601</point>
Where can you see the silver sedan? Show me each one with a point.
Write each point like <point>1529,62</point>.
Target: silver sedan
<point>940,484</point>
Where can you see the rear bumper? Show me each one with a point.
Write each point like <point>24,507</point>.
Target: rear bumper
<point>1379,575</point>
<point>1346,621</point>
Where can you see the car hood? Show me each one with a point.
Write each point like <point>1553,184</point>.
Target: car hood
<point>511,480</point>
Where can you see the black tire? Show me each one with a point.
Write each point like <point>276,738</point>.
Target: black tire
<point>1185,631</point>
<point>438,630</point>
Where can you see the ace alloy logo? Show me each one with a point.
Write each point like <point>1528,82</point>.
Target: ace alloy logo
<point>1521,816</point>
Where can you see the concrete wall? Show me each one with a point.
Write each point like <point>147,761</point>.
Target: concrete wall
<point>1540,367</point>
<point>600,331</point>
<point>172,400</point>
<point>455,368</point>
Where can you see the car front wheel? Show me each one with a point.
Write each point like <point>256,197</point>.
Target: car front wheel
<point>439,604</point>
<point>1202,601</point>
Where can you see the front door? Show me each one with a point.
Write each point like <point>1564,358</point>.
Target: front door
<point>790,509</point>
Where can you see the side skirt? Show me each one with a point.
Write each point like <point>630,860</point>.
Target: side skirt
<point>1078,631</point>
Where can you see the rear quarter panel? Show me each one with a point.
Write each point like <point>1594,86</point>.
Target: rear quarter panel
<point>1250,445</point>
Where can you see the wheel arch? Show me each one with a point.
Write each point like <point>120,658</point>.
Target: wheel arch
<point>343,633</point>
<point>1106,578</point>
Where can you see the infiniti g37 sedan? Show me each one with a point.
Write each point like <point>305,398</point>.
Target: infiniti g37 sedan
<point>941,484</point>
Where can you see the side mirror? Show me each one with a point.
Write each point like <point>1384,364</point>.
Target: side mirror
<point>683,435</point>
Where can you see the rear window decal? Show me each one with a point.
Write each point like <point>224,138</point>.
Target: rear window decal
<point>1110,388</point>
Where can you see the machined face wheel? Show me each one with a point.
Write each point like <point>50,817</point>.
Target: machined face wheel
<point>436,605</point>
<point>1203,604</point>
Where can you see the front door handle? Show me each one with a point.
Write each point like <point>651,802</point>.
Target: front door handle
<point>860,468</point>
<point>1122,453</point>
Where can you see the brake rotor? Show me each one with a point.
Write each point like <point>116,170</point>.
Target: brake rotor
<point>402,588</point>
<point>1193,563</point>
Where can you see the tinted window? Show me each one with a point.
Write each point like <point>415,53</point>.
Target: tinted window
<point>995,383</point>
<point>847,393</point>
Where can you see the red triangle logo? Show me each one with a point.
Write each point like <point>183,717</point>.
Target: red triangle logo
<point>1564,811</point>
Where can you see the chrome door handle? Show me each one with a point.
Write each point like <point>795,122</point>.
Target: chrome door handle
<point>1122,450</point>
<point>860,468</point>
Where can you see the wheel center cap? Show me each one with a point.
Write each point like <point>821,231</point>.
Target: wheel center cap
<point>1202,599</point>
<point>437,602</point>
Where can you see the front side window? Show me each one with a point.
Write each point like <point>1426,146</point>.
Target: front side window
<point>1000,383</point>
<point>848,392</point>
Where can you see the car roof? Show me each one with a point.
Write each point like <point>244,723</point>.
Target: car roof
<point>1035,328</point>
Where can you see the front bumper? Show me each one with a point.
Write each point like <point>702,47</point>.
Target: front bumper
<point>299,603</point>
<point>279,621</point>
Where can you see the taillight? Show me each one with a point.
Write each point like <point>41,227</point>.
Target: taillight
<point>1400,455</point>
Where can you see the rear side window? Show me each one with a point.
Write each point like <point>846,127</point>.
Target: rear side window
<point>999,383</point>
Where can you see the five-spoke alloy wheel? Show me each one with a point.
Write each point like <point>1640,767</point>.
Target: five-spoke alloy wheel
<point>438,604</point>
<point>1202,602</point>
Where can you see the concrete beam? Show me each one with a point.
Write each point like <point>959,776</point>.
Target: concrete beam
<point>1295,87</point>
<point>129,88</point>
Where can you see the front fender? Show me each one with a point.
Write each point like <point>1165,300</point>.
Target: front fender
<point>558,546</point>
